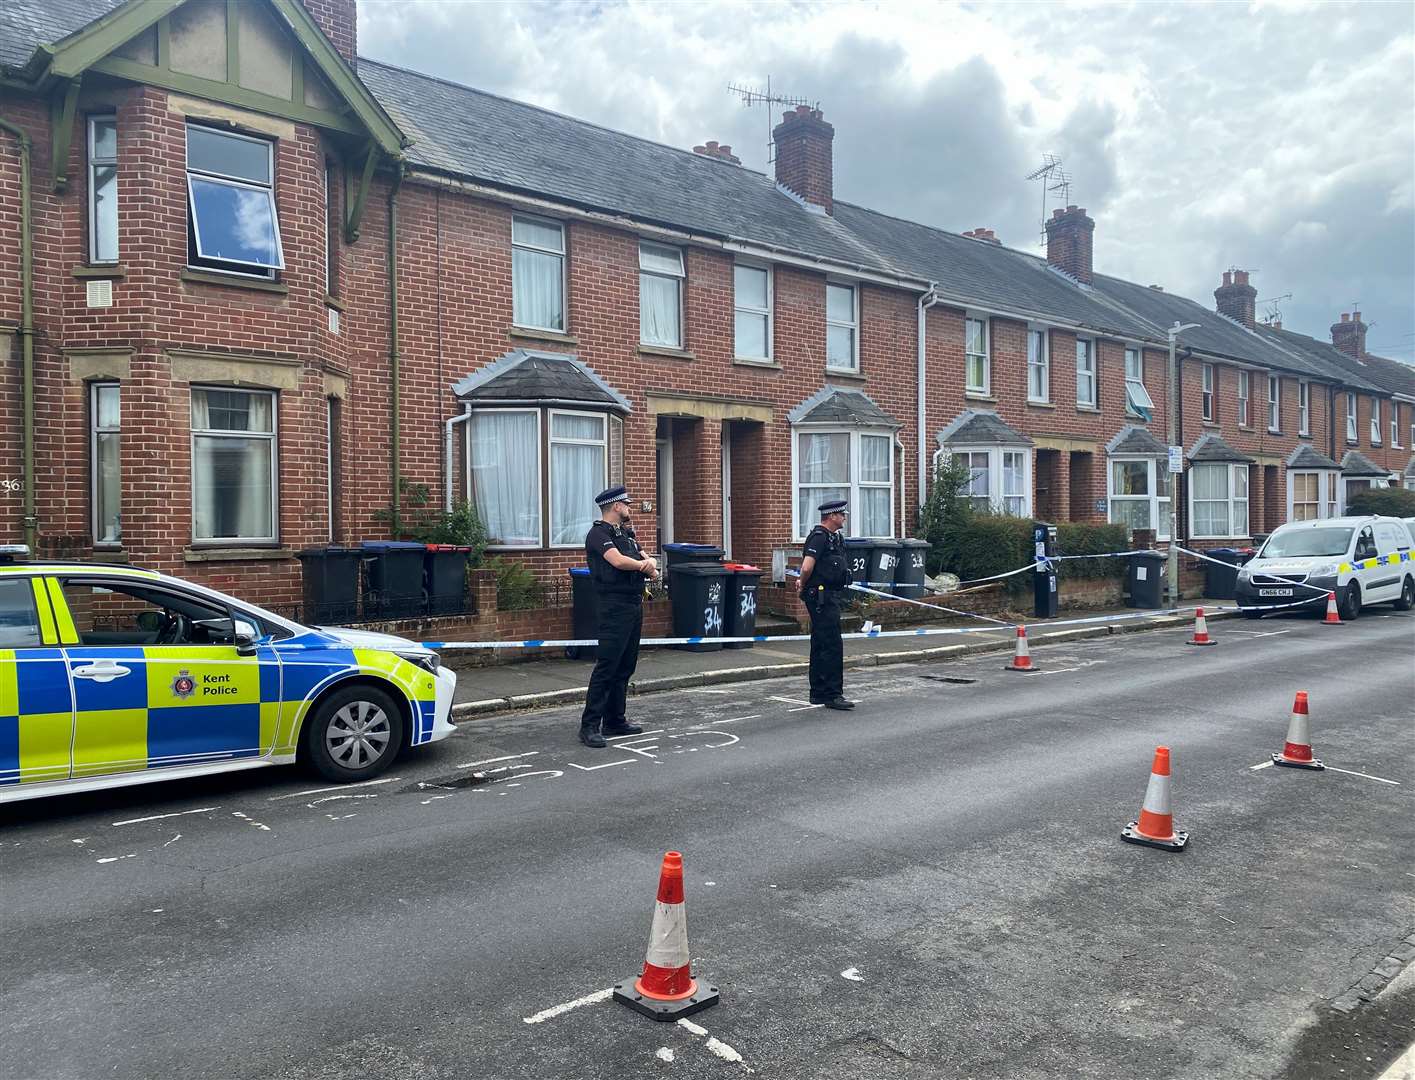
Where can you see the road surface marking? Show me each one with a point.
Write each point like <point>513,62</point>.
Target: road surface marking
<point>159,817</point>
<point>560,1010</point>
<point>639,735</point>
<point>792,701</point>
<point>1261,765</point>
<point>853,974</point>
<point>714,1044</point>
<point>250,820</point>
<point>492,760</point>
<point>173,840</point>
<point>663,1053</point>
<point>1258,633</point>
<point>115,858</point>
<point>607,764</point>
<point>332,798</point>
<point>688,1025</point>
<point>341,787</point>
<point>705,690</point>
<point>1368,776</point>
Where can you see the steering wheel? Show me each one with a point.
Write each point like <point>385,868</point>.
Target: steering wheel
<point>177,629</point>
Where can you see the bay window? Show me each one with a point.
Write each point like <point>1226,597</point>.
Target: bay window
<point>1000,477</point>
<point>857,465</point>
<point>1085,373</point>
<point>1038,366</point>
<point>1136,491</point>
<point>1311,494</point>
<point>578,471</point>
<point>105,484</point>
<point>1137,398</point>
<point>841,327</point>
<point>977,373</point>
<point>233,465</point>
<point>1243,378</point>
<point>1218,500</point>
<point>102,189</point>
<point>233,224</point>
<point>751,312</point>
<point>660,296</point>
<point>537,274</point>
<point>1274,404</point>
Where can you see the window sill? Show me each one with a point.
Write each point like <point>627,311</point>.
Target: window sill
<point>1041,404</point>
<point>236,554</point>
<point>109,271</point>
<point>206,277</point>
<point>974,395</point>
<point>769,365</point>
<point>334,302</point>
<point>841,373</point>
<point>1088,409</point>
<point>529,334</point>
<point>666,351</point>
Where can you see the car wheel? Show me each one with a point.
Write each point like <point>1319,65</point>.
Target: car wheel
<point>354,734</point>
<point>1407,596</point>
<point>1350,605</point>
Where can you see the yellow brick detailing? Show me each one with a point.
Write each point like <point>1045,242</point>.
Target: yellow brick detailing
<point>47,633</point>
<point>65,622</point>
<point>418,684</point>
<point>44,746</point>
<point>114,740</point>
<point>9,683</point>
<point>220,674</point>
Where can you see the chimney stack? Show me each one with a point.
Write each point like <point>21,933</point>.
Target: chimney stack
<point>1069,242</point>
<point>340,23</point>
<point>1236,298</point>
<point>1349,335</point>
<point>983,234</point>
<point>804,156</point>
<point>722,153</point>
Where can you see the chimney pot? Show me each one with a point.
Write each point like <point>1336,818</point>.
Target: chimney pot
<point>1228,277</point>
<point>1346,316</point>
<point>1236,298</point>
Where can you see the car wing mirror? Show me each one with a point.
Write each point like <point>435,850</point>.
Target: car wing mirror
<point>245,636</point>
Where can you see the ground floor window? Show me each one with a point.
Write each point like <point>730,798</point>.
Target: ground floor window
<point>1356,484</point>
<point>1218,500</point>
<point>857,465</point>
<point>1137,492</point>
<point>233,465</point>
<point>1000,477</point>
<point>1311,495</point>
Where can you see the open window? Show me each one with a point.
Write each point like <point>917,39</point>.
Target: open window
<point>232,221</point>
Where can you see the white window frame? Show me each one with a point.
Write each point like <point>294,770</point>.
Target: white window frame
<point>678,278</point>
<point>1304,407</point>
<point>273,435</point>
<point>1039,365</point>
<point>1395,426</point>
<point>564,327</point>
<point>983,388</point>
<point>1328,492</point>
<point>548,479</point>
<point>94,164</point>
<point>1137,399</point>
<point>1351,428</point>
<point>541,492</point>
<point>1375,420</point>
<point>853,326</point>
<point>1244,387</point>
<point>1207,382</point>
<point>232,266</point>
<point>1233,468</point>
<point>1087,347</point>
<point>997,474</point>
<point>738,307</point>
<point>1274,404</point>
<point>95,429</point>
<point>1157,480</point>
<point>852,481</point>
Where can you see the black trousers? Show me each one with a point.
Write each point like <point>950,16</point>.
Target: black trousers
<point>621,622</point>
<point>827,649</point>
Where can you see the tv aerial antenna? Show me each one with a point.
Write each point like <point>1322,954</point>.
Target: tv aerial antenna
<point>1272,312</point>
<point>751,96</point>
<point>1055,180</point>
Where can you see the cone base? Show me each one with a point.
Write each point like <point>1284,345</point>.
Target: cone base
<point>703,997</point>
<point>1131,835</point>
<point>1192,641</point>
<point>1014,667</point>
<point>1315,764</point>
<point>1331,622</point>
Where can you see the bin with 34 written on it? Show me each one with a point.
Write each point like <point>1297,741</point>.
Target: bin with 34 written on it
<point>698,590</point>
<point>740,605</point>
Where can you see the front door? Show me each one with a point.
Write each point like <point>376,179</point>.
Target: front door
<point>158,681</point>
<point>727,490</point>
<point>36,704</point>
<point>664,462</point>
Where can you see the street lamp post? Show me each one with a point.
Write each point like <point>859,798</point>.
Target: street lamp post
<point>1172,567</point>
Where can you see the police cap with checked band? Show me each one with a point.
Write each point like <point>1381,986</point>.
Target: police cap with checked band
<point>610,496</point>
<point>833,506</point>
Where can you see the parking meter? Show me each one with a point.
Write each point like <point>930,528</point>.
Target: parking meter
<point>1044,580</point>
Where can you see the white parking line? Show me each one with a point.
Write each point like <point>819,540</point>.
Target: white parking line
<point>560,1010</point>
<point>490,760</point>
<point>159,817</point>
<point>342,787</point>
<point>1368,776</point>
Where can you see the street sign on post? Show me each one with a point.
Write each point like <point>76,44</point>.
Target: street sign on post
<point>1176,459</point>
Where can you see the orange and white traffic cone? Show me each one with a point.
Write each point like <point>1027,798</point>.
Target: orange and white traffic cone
<point>1201,630</point>
<point>667,990</point>
<point>1297,753</point>
<point>1022,658</point>
<point>1333,617</point>
<point>1156,825</point>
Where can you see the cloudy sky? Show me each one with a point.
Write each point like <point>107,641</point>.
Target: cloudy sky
<point>1277,137</point>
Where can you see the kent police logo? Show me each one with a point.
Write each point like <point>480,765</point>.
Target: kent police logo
<point>184,686</point>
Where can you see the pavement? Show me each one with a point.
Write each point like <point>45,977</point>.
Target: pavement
<point>555,680</point>
<point>932,886</point>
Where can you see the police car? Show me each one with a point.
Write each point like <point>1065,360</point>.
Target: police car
<point>113,675</point>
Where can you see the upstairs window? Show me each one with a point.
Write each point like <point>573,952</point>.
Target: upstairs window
<point>977,372</point>
<point>1274,404</point>
<point>102,189</point>
<point>106,479</point>
<point>1243,379</point>
<point>1375,421</point>
<point>1137,398</point>
<point>1394,425</point>
<point>1350,418</point>
<point>751,301</point>
<point>1038,367</point>
<point>660,296</point>
<point>841,327</point>
<point>1085,373</point>
<point>231,217</point>
<point>1304,414</point>
<point>537,274</point>
<point>1207,390</point>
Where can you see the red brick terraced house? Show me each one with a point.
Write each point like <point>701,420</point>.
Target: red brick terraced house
<point>256,287</point>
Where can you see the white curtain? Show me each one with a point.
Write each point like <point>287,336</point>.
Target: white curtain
<point>659,311</point>
<point>505,465</point>
<point>577,472</point>
<point>1014,494</point>
<point>823,473</point>
<point>537,274</point>
<point>873,516</point>
<point>1210,484</point>
<point>233,477</point>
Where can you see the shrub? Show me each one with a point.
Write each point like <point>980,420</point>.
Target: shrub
<point>421,521</point>
<point>944,512</point>
<point>1086,539</point>
<point>1393,502</point>
<point>517,587</point>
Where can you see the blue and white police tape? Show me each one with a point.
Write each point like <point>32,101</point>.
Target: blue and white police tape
<point>932,607</point>
<point>1320,592</point>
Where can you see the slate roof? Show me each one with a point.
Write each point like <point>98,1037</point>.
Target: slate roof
<point>27,24</point>
<point>1133,439</point>
<point>524,376</point>
<point>978,427</point>
<point>1356,463</point>
<point>1304,457</point>
<point>1212,448</point>
<point>1324,357</point>
<point>841,405</point>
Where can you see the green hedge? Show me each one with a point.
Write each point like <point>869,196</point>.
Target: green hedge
<point>981,545</point>
<point>1393,502</point>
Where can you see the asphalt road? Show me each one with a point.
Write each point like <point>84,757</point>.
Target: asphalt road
<point>932,886</point>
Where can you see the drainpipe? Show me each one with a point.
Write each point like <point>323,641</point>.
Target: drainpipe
<point>394,359</point>
<point>30,522</point>
<point>447,454</point>
<point>926,301</point>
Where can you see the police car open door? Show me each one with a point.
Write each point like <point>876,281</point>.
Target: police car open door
<point>158,679</point>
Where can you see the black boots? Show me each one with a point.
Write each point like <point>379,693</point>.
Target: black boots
<point>592,735</point>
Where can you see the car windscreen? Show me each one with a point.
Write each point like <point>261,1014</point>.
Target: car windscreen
<point>1306,544</point>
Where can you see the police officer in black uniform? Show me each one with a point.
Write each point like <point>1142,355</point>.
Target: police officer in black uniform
<point>824,575</point>
<point>618,568</point>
